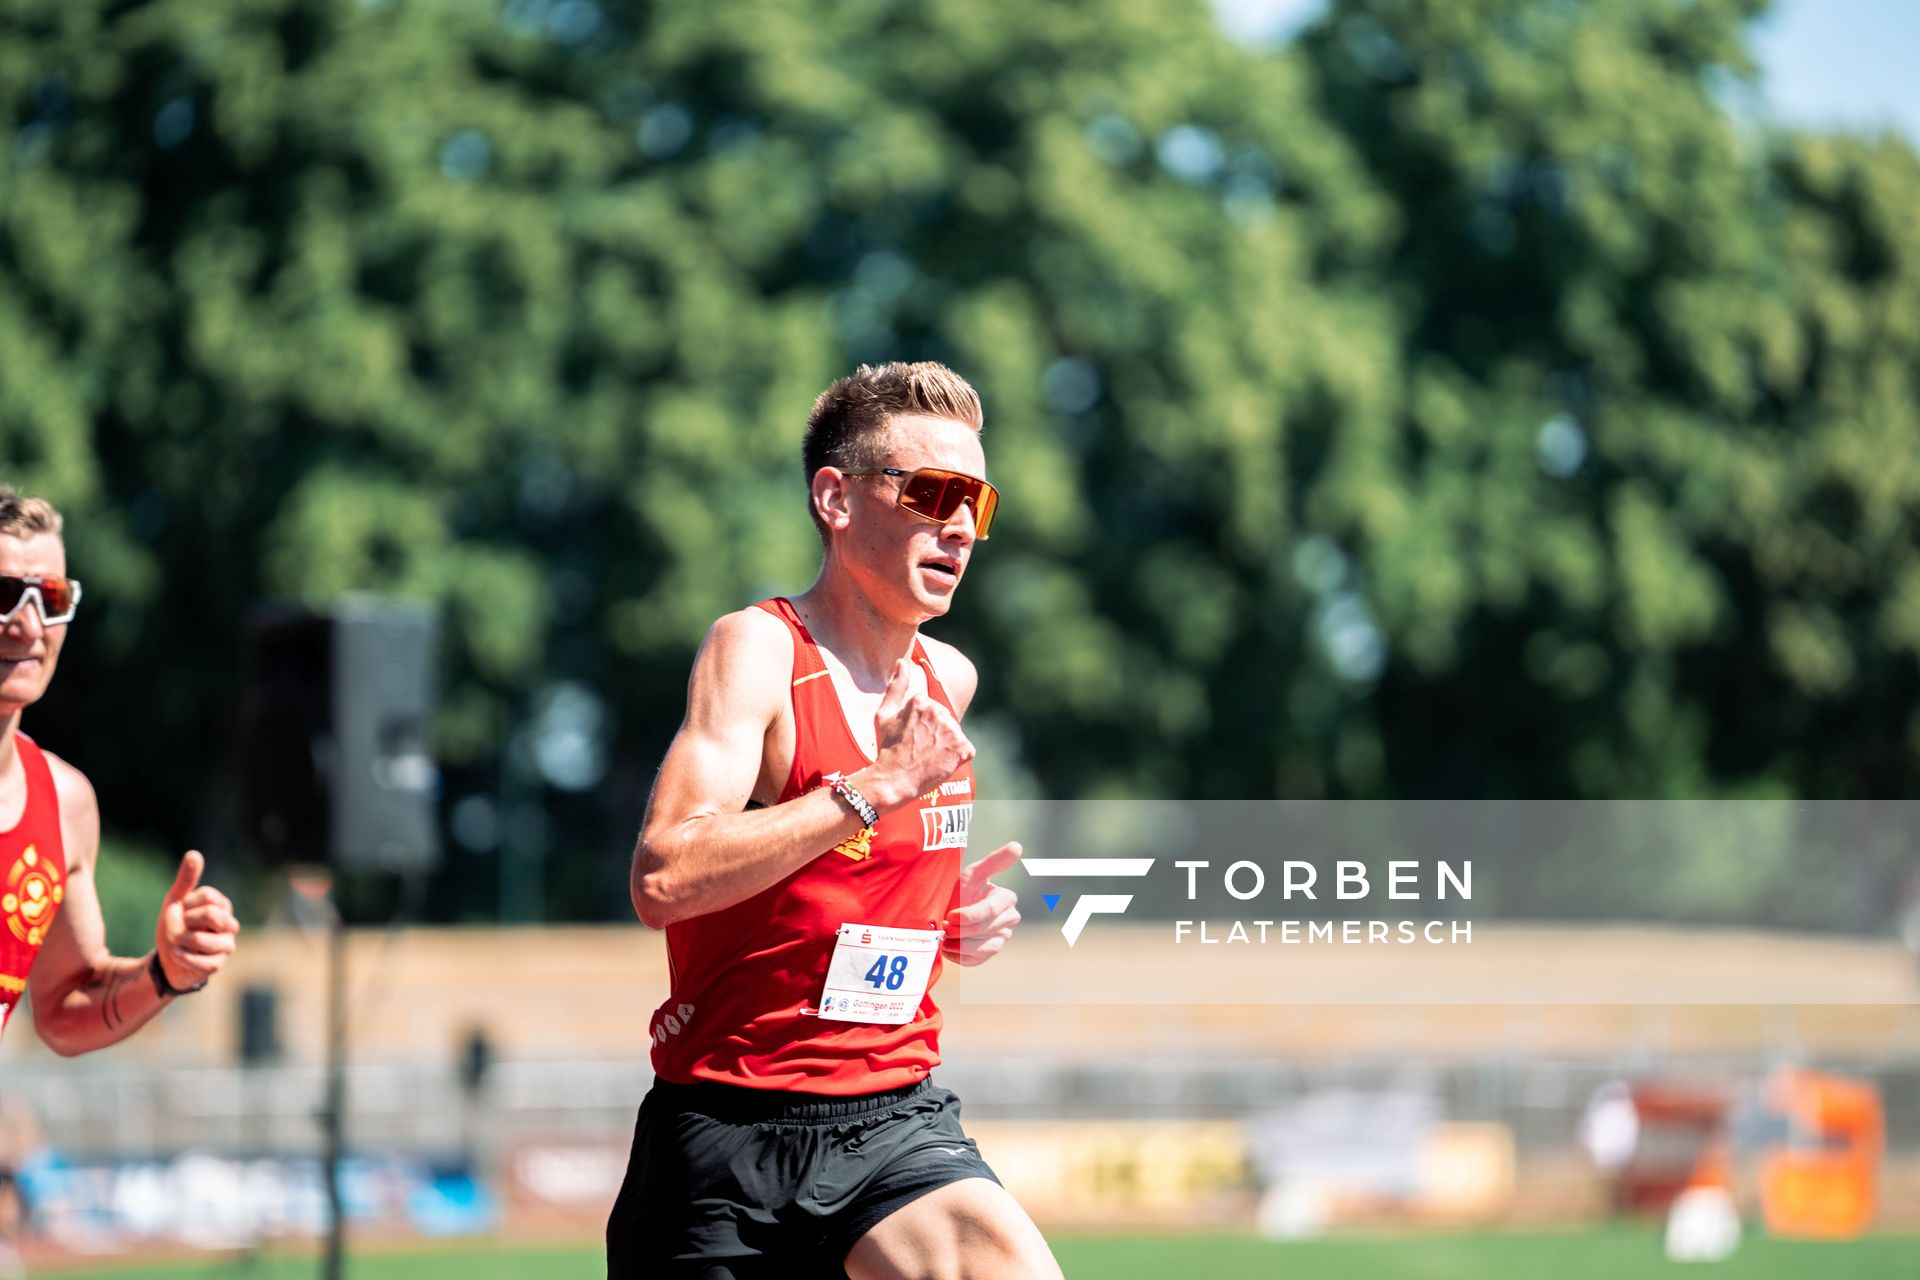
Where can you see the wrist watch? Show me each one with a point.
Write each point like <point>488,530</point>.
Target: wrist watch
<point>161,986</point>
<point>855,801</point>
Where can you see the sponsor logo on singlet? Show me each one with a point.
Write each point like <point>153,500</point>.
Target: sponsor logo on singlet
<point>945,826</point>
<point>674,1023</point>
<point>962,787</point>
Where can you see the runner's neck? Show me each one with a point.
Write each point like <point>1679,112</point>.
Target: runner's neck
<point>10,789</point>
<point>848,626</point>
<point>9,745</point>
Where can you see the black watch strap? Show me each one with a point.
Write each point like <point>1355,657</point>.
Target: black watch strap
<point>161,986</point>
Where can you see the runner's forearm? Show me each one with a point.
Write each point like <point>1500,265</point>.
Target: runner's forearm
<point>111,1002</point>
<point>711,861</point>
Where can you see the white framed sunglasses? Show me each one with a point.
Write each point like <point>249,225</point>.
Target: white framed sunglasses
<point>57,599</point>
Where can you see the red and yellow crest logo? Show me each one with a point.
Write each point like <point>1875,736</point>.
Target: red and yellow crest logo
<point>31,897</point>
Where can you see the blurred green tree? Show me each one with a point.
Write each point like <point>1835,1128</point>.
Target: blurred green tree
<point>1652,517</point>
<point>1653,521</point>
<point>1464,400</point>
<point>520,309</point>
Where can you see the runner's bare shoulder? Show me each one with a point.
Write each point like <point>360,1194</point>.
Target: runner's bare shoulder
<point>744,663</point>
<point>79,811</point>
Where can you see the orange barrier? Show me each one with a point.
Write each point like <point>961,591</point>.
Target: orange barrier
<point>1821,1184</point>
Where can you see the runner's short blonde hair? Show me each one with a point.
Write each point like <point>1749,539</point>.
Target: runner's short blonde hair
<point>24,517</point>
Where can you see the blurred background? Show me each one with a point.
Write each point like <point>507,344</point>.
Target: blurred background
<point>1490,398</point>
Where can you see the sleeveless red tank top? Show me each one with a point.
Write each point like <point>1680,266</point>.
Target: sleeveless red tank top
<point>746,979</point>
<point>33,877</point>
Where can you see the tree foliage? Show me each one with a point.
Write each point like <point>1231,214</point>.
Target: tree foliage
<point>1466,399</point>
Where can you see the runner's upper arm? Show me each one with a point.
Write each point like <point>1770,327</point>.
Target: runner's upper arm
<point>739,685</point>
<point>77,941</point>
<point>79,813</point>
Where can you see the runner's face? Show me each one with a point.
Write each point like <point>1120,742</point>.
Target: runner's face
<point>903,557</point>
<point>28,647</point>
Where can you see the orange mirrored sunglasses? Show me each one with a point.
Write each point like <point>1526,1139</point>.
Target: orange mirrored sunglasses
<point>936,494</point>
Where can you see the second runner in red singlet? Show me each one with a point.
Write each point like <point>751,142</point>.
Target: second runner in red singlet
<point>33,877</point>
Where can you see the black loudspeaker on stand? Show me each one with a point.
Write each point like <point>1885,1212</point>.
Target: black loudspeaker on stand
<point>334,721</point>
<point>335,771</point>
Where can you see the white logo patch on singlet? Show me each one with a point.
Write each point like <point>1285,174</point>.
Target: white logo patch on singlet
<point>945,826</point>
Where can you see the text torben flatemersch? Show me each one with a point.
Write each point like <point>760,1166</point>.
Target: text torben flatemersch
<point>1247,880</point>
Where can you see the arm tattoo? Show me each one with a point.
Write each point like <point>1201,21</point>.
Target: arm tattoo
<point>110,1000</point>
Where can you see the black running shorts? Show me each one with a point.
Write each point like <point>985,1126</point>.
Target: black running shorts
<point>727,1183</point>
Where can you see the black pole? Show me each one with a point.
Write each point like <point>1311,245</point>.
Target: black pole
<point>334,1115</point>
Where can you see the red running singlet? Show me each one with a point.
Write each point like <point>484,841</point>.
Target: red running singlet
<point>746,979</point>
<point>33,877</point>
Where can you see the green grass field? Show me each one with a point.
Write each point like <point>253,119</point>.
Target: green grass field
<point>1614,1253</point>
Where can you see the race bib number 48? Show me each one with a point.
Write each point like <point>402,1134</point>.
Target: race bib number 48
<point>878,975</point>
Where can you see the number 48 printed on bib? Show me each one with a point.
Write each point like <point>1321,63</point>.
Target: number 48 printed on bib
<point>878,974</point>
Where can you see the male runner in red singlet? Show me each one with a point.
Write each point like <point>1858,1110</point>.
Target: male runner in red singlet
<point>52,940</point>
<point>803,849</point>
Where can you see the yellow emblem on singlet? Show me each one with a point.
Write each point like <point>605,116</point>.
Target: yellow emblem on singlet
<point>858,846</point>
<point>32,895</point>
